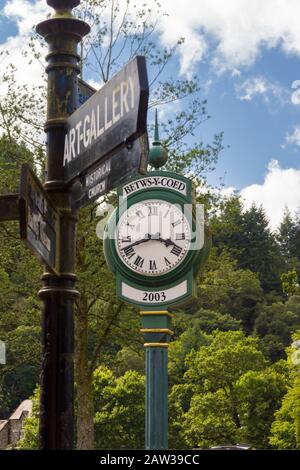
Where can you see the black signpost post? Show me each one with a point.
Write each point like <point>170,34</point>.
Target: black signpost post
<point>95,142</point>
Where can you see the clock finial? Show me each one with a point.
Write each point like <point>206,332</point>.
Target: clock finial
<point>158,154</point>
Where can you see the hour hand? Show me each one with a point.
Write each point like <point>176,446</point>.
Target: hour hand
<point>168,242</point>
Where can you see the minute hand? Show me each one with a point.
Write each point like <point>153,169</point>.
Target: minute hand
<point>138,242</point>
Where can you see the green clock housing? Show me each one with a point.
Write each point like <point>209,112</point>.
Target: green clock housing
<point>156,241</point>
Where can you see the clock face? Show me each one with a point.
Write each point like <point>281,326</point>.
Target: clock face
<point>153,237</point>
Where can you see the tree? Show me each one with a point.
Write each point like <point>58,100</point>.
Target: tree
<point>196,329</point>
<point>214,414</point>
<point>19,306</point>
<point>275,325</point>
<point>228,290</point>
<point>246,235</point>
<point>260,395</point>
<point>288,237</point>
<point>259,251</point>
<point>290,284</point>
<point>31,425</point>
<point>286,234</point>
<point>226,227</point>
<point>285,430</point>
<point>119,403</point>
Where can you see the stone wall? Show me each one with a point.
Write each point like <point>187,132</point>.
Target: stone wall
<point>4,434</point>
<point>12,428</point>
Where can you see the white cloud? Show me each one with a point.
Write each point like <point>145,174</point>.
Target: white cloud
<point>271,92</point>
<point>294,137</point>
<point>228,192</point>
<point>252,87</point>
<point>25,14</point>
<point>233,31</point>
<point>281,187</point>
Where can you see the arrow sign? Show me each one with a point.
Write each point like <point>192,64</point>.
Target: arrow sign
<point>112,117</point>
<point>39,220</point>
<point>84,91</point>
<point>112,172</point>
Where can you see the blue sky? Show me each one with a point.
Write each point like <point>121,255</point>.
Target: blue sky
<point>247,54</point>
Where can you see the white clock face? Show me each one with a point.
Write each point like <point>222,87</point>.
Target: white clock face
<point>153,237</point>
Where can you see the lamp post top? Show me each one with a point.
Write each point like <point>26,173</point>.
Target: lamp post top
<point>63,4</point>
<point>158,155</point>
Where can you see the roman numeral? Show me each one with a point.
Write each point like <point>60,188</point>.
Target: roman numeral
<point>140,214</point>
<point>180,236</point>
<point>168,263</point>
<point>126,239</point>
<point>168,210</point>
<point>129,252</point>
<point>152,264</point>
<point>176,250</point>
<point>139,262</point>
<point>153,210</point>
<point>177,222</point>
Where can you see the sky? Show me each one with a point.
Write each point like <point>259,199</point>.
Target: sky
<point>247,56</point>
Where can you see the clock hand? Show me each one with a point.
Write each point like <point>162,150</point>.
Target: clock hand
<point>168,242</point>
<point>138,242</point>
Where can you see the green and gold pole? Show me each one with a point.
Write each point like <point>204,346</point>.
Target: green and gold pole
<point>156,328</point>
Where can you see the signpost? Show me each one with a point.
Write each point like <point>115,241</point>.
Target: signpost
<point>111,119</point>
<point>110,173</point>
<point>95,142</point>
<point>85,91</point>
<point>39,220</point>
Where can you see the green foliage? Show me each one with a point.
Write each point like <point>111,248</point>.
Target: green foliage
<point>285,430</point>
<point>290,284</point>
<point>29,440</point>
<point>259,395</point>
<point>119,403</point>
<point>275,325</point>
<point>228,394</point>
<point>229,290</point>
<point>246,234</point>
<point>19,307</point>
<point>288,237</point>
<point>192,339</point>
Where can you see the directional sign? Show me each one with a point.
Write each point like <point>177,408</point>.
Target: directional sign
<point>39,220</point>
<point>112,172</point>
<point>85,91</point>
<point>111,118</point>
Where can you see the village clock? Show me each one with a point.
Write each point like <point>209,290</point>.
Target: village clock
<point>153,237</point>
<point>156,241</point>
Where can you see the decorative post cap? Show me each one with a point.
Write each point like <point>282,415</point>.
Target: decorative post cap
<point>158,155</point>
<point>63,4</point>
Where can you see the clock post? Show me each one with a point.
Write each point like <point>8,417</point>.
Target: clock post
<point>157,332</point>
<point>155,242</point>
<point>156,328</point>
